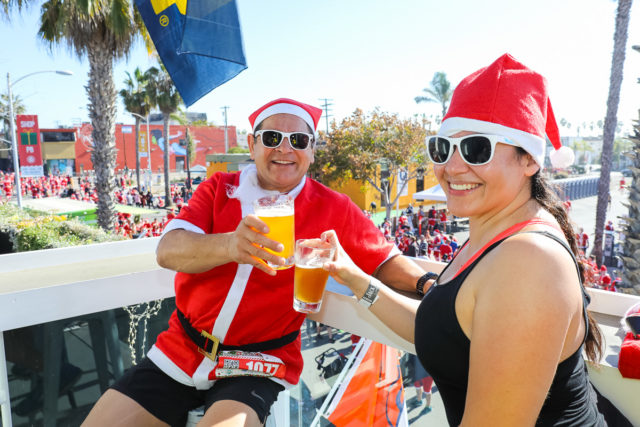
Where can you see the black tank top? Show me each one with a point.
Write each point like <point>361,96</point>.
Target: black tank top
<point>443,349</point>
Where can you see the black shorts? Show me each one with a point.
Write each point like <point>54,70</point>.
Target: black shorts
<point>171,401</point>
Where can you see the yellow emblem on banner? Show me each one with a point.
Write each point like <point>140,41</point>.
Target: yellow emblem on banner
<point>160,5</point>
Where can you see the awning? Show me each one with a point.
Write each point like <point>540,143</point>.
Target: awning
<point>433,193</point>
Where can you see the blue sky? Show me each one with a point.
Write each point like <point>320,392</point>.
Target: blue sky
<point>365,54</point>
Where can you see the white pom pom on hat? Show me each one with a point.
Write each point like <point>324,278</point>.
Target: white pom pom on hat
<point>507,98</point>
<point>562,158</point>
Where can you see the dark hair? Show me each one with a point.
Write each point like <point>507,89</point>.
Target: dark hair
<point>543,193</point>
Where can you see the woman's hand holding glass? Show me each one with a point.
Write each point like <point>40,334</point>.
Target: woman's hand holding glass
<point>343,269</point>
<point>248,244</point>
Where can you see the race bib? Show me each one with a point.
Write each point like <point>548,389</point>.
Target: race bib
<point>241,363</point>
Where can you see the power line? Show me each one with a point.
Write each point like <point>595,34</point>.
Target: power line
<point>325,107</point>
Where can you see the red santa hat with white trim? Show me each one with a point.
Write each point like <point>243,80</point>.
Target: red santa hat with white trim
<point>310,114</point>
<point>508,99</point>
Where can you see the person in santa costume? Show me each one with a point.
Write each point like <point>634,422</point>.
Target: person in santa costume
<point>227,295</point>
<point>503,330</point>
<point>583,240</point>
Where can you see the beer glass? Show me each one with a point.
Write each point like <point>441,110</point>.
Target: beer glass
<point>277,212</point>
<point>309,277</point>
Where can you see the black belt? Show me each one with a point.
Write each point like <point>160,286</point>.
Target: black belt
<point>210,345</point>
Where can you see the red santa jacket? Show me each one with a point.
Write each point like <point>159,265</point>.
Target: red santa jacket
<point>263,303</point>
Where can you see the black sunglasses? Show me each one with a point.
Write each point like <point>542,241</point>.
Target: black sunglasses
<point>273,139</point>
<point>475,150</point>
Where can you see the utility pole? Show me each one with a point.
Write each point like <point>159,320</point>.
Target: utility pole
<point>325,107</point>
<point>226,137</point>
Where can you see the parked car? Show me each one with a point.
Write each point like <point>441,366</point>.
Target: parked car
<point>626,172</point>
<point>578,169</point>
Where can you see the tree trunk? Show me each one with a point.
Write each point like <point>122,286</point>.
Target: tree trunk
<point>101,92</point>
<point>385,197</point>
<point>137,152</point>
<point>617,65</point>
<point>167,147</point>
<point>188,157</point>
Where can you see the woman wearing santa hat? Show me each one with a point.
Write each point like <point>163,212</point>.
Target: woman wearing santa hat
<point>503,328</point>
<point>225,295</point>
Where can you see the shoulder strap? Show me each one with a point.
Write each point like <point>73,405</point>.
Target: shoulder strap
<point>503,235</point>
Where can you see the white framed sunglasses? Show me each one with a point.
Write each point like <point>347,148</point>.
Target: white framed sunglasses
<point>475,150</point>
<point>273,138</point>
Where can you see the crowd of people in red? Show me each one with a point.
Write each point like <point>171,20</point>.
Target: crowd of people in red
<point>83,188</point>
<point>422,234</point>
<point>596,277</point>
<point>135,227</point>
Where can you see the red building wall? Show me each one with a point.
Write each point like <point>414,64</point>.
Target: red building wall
<point>209,140</point>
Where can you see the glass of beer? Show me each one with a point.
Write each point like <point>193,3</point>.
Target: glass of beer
<point>309,278</point>
<point>277,212</point>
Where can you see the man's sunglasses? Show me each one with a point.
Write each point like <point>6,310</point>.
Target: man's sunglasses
<point>474,149</point>
<point>273,138</point>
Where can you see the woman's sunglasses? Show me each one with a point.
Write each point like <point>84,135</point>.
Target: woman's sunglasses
<point>475,150</point>
<point>273,139</point>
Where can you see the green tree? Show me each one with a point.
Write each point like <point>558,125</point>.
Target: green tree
<point>439,91</point>
<point>237,150</point>
<point>620,147</point>
<point>101,31</point>
<point>581,148</point>
<point>165,96</point>
<point>631,228</point>
<point>631,248</point>
<point>137,101</point>
<point>610,121</point>
<point>361,144</point>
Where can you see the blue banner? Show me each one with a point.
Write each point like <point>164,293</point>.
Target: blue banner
<point>199,42</point>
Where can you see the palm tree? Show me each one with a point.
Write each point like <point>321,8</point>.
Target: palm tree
<point>102,31</point>
<point>631,229</point>
<point>166,97</point>
<point>136,100</point>
<point>610,121</point>
<point>439,91</point>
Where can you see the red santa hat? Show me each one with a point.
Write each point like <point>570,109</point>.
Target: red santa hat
<point>308,113</point>
<point>508,99</point>
<point>629,358</point>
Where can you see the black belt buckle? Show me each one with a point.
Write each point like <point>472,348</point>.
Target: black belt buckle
<point>214,349</point>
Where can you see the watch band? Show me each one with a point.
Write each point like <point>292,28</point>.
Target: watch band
<point>371,294</point>
<point>423,280</point>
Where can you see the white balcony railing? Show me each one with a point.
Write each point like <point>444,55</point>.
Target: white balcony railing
<point>44,286</point>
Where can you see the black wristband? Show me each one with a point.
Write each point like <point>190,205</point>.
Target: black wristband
<point>422,280</point>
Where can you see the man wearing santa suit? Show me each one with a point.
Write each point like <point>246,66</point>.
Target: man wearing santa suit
<point>224,290</point>
<point>583,240</point>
